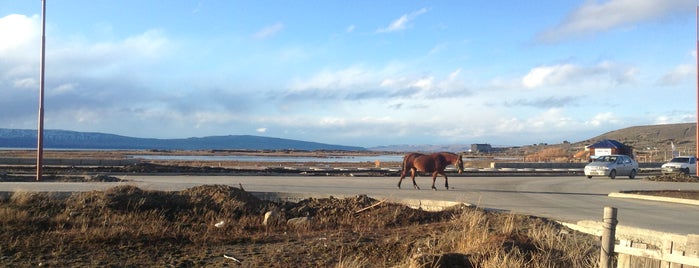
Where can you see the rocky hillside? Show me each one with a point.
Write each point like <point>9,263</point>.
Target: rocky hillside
<point>652,137</point>
<point>650,143</point>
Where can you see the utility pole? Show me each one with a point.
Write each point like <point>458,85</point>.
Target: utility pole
<point>40,134</point>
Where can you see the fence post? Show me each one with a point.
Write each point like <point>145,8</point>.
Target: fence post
<point>608,233</point>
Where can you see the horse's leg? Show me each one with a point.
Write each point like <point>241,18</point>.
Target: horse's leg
<point>402,175</point>
<point>434,178</point>
<point>412,176</point>
<point>446,181</point>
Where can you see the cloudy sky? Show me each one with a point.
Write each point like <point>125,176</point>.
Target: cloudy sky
<point>363,73</point>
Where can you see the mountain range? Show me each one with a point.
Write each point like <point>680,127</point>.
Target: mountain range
<point>649,137</point>
<point>64,139</point>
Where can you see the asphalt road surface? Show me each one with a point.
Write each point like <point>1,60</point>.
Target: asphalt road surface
<point>567,199</point>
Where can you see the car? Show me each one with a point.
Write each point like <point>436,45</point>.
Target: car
<point>612,166</point>
<point>680,164</point>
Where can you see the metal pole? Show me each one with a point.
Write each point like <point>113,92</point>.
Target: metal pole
<point>608,237</point>
<point>40,134</point>
<point>696,153</point>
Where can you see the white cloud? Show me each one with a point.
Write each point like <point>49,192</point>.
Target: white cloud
<point>149,43</point>
<point>425,83</point>
<point>678,74</point>
<point>549,75</point>
<point>25,83</point>
<point>261,130</point>
<point>64,88</point>
<point>350,28</point>
<point>360,83</point>
<point>549,120</point>
<point>601,119</point>
<point>269,31</point>
<point>107,59</point>
<point>401,23</point>
<point>351,77</point>
<point>676,117</point>
<point>572,74</point>
<point>599,16</point>
<point>17,31</point>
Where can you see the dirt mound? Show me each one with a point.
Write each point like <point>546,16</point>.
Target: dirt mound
<point>675,177</point>
<point>129,226</point>
<point>225,199</point>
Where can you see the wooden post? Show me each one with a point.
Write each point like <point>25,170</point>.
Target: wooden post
<point>608,233</point>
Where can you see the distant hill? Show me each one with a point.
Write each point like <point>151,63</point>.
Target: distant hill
<point>63,139</point>
<point>652,136</point>
<point>641,138</point>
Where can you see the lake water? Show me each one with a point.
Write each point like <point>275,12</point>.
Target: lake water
<point>252,158</point>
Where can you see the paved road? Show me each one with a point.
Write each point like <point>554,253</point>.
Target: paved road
<point>568,199</point>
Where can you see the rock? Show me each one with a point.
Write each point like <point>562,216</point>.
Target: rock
<point>299,222</point>
<point>302,210</point>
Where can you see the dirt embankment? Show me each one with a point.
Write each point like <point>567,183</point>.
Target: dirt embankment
<point>219,225</point>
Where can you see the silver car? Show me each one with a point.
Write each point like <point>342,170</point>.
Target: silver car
<point>611,166</point>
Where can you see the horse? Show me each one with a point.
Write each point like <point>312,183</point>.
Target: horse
<point>433,163</point>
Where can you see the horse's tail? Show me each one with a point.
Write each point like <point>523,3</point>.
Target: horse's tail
<point>405,164</point>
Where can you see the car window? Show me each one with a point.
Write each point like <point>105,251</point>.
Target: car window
<point>680,160</point>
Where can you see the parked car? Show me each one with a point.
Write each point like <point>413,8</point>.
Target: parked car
<point>680,164</point>
<point>611,166</point>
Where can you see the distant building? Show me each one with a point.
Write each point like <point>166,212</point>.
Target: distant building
<point>481,148</point>
<point>608,147</point>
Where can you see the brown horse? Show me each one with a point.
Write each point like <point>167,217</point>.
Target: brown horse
<point>433,163</point>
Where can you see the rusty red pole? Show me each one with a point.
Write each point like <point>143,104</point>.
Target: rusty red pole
<point>40,134</point>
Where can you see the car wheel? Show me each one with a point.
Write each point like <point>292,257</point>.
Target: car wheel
<point>589,177</point>
<point>633,174</point>
<point>685,171</point>
<point>612,174</point>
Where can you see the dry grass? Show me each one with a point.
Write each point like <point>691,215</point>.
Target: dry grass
<point>509,240</point>
<point>127,226</point>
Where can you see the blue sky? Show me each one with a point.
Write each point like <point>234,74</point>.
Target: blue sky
<point>363,73</point>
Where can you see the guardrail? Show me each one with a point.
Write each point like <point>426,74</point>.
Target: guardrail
<point>640,248</point>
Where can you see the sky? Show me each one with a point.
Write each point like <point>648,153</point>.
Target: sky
<point>359,73</point>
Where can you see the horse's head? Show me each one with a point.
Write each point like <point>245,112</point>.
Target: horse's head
<point>460,164</point>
